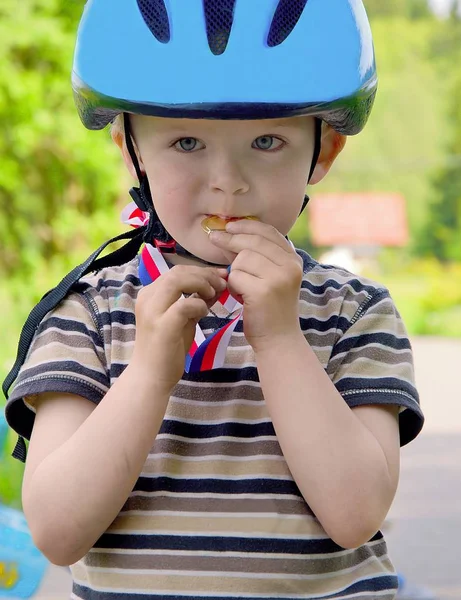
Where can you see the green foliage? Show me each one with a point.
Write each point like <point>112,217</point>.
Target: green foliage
<point>11,474</point>
<point>411,9</point>
<point>55,176</point>
<point>15,303</point>
<point>427,293</point>
<point>441,236</point>
<point>408,131</point>
<point>52,169</point>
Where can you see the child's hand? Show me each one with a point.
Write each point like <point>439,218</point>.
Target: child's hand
<point>267,275</point>
<point>165,322</point>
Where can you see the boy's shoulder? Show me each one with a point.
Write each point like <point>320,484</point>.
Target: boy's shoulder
<point>111,282</point>
<point>107,295</point>
<point>337,277</point>
<point>330,289</point>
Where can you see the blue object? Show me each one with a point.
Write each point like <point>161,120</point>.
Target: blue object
<point>412,592</point>
<point>3,432</point>
<point>225,59</point>
<point>22,565</point>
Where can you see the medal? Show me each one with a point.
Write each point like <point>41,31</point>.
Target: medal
<point>205,354</point>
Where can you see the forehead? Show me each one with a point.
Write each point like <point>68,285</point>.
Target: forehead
<point>165,125</point>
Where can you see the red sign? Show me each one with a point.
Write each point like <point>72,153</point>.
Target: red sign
<point>358,219</point>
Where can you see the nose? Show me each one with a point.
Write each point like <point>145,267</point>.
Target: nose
<point>227,177</point>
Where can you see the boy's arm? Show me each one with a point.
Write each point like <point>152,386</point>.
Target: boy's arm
<point>80,485</point>
<point>76,492</point>
<point>345,462</point>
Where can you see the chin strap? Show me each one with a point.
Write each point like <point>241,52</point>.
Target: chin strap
<point>317,147</point>
<point>315,157</point>
<point>142,196</point>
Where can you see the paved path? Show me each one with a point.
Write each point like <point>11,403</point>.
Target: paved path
<point>426,515</point>
<point>425,520</point>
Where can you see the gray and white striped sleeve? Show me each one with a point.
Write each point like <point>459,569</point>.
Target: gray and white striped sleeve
<point>66,355</point>
<point>372,362</point>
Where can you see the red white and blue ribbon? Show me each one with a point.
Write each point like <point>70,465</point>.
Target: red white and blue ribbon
<point>205,354</point>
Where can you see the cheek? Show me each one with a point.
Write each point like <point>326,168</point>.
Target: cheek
<point>285,214</point>
<point>173,190</point>
<point>166,175</point>
<point>286,190</point>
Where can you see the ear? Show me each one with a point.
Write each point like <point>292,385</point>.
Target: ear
<point>118,136</point>
<point>332,145</point>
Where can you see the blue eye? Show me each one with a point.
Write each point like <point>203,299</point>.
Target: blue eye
<point>266,142</point>
<point>187,144</point>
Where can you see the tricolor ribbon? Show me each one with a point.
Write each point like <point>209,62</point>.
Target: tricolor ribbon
<point>205,354</point>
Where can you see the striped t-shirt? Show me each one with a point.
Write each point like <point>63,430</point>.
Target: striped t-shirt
<point>215,512</point>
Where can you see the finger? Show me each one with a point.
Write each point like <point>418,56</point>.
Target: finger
<point>185,310</point>
<point>223,273</point>
<point>217,277</point>
<point>170,287</point>
<point>243,285</point>
<point>254,264</point>
<point>241,241</point>
<point>210,301</point>
<point>265,230</point>
<point>214,274</point>
<point>186,277</point>
<point>261,269</point>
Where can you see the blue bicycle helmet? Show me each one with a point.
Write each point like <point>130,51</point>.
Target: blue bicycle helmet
<point>225,59</point>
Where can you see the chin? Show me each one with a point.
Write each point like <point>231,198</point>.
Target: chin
<point>214,257</point>
<point>211,255</point>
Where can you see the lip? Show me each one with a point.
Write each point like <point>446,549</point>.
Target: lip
<point>225,217</point>
<point>218,222</point>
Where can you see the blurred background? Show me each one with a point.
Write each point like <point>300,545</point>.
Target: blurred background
<point>390,209</point>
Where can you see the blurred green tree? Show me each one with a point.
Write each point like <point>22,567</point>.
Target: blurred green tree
<point>441,235</point>
<point>412,9</point>
<point>54,174</point>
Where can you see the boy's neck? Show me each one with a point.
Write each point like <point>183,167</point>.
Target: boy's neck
<point>176,259</point>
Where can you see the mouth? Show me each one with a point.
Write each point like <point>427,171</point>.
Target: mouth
<point>218,222</point>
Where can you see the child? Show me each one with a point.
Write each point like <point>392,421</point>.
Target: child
<point>204,430</point>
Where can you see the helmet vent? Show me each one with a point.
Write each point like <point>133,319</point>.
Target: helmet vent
<point>219,15</point>
<point>286,17</point>
<point>156,17</point>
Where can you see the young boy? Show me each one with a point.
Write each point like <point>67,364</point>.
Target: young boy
<point>220,417</point>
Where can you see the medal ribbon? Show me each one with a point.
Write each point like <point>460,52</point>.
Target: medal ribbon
<point>205,354</point>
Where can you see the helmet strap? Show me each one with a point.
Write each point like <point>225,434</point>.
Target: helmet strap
<point>317,146</point>
<point>315,158</point>
<point>142,196</point>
